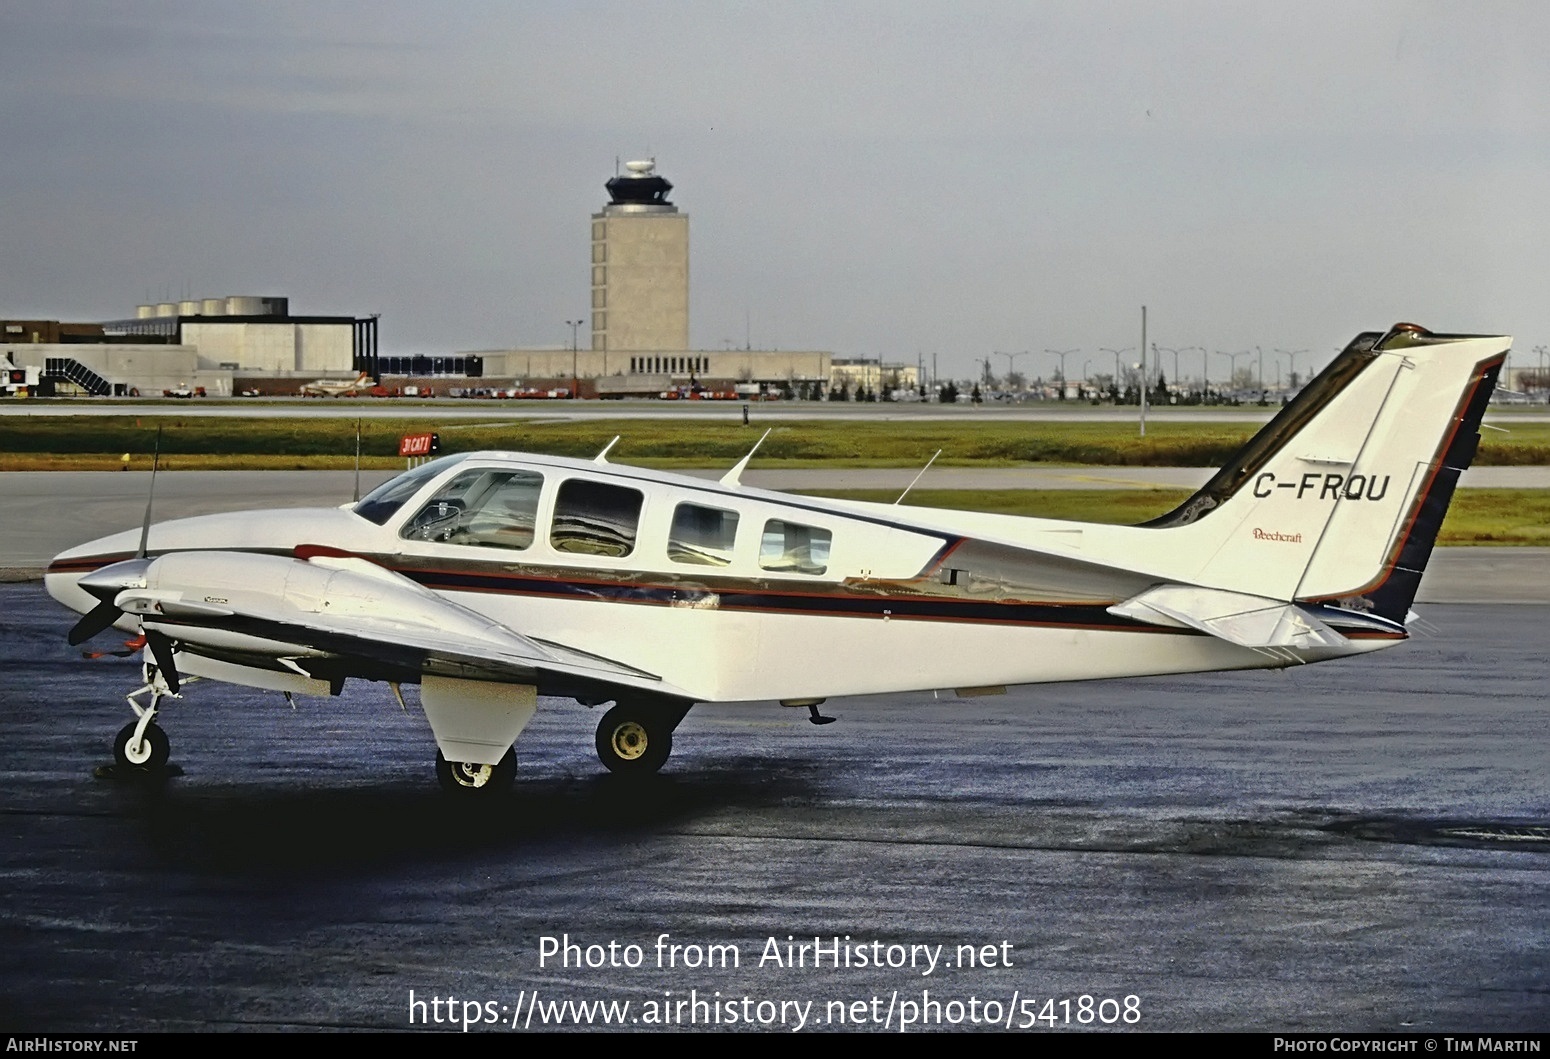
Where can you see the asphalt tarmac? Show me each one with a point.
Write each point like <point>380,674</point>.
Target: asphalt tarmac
<point>1360,845</point>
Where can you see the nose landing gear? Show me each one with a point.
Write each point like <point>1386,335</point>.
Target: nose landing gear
<point>147,749</point>
<point>141,744</point>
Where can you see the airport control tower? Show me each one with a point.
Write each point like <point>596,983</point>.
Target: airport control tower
<point>640,266</point>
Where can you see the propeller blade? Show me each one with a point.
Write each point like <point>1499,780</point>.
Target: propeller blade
<point>100,617</point>
<point>150,494</point>
<point>161,649</point>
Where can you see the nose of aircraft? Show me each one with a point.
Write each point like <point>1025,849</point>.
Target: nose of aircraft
<point>71,567</point>
<point>88,577</point>
<point>104,585</point>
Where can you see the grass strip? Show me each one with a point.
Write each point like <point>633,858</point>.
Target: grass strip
<point>685,443</point>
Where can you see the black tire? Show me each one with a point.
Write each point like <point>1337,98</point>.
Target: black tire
<point>151,754</point>
<point>632,741</point>
<point>468,780</point>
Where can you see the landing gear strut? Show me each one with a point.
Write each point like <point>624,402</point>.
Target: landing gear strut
<point>636,738</point>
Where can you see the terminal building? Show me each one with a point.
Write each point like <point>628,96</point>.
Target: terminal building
<point>637,343</point>
<point>875,376</point>
<point>220,345</point>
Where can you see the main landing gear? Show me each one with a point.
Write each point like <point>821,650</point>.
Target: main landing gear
<point>636,738</point>
<point>469,779</point>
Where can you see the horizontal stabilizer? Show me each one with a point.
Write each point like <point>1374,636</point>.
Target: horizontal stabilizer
<point>1237,617</point>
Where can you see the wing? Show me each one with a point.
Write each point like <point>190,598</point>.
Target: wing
<point>332,617</point>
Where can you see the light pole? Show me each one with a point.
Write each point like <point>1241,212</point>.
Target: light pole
<point>1176,369</point>
<point>1156,349</point>
<point>574,385</point>
<point>1232,376</point>
<point>1011,360</point>
<point>1117,372</point>
<point>1291,358</point>
<point>1143,371</point>
<point>984,375</point>
<point>1062,354</point>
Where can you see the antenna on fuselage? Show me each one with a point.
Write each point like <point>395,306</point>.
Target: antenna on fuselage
<point>602,457</point>
<point>918,477</point>
<point>732,476</point>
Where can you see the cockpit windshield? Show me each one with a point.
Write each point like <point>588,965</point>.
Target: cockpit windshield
<point>379,505</point>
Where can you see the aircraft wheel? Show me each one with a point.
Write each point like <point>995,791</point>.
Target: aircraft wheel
<point>468,778</point>
<point>150,753</point>
<point>633,742</point>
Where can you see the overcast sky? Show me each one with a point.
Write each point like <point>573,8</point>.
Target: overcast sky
<point>892,178</point>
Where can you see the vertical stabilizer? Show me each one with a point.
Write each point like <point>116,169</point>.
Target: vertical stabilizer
<point>1340,497</point>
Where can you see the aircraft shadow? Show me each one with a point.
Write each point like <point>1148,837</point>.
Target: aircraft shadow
<point>267,830</point>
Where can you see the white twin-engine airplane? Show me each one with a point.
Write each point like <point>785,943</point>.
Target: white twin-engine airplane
<point>338,387</point>
<point>492,578</point>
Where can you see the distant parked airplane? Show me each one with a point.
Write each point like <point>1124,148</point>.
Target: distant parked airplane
<point>362,383</point>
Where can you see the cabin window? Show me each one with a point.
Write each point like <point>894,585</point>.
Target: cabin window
<point>595,518</point>
<point>790,548</point>
<point>482,509</point>
<point>702,536</point>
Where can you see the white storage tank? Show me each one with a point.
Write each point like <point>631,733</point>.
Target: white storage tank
<point>212,307</point>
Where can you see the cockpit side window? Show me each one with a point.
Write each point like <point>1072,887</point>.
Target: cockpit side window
<point>702,536</point>
<point>483,509</point>
<point>383,502</point>
<point>787,547</point>
<point>595,518</point>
